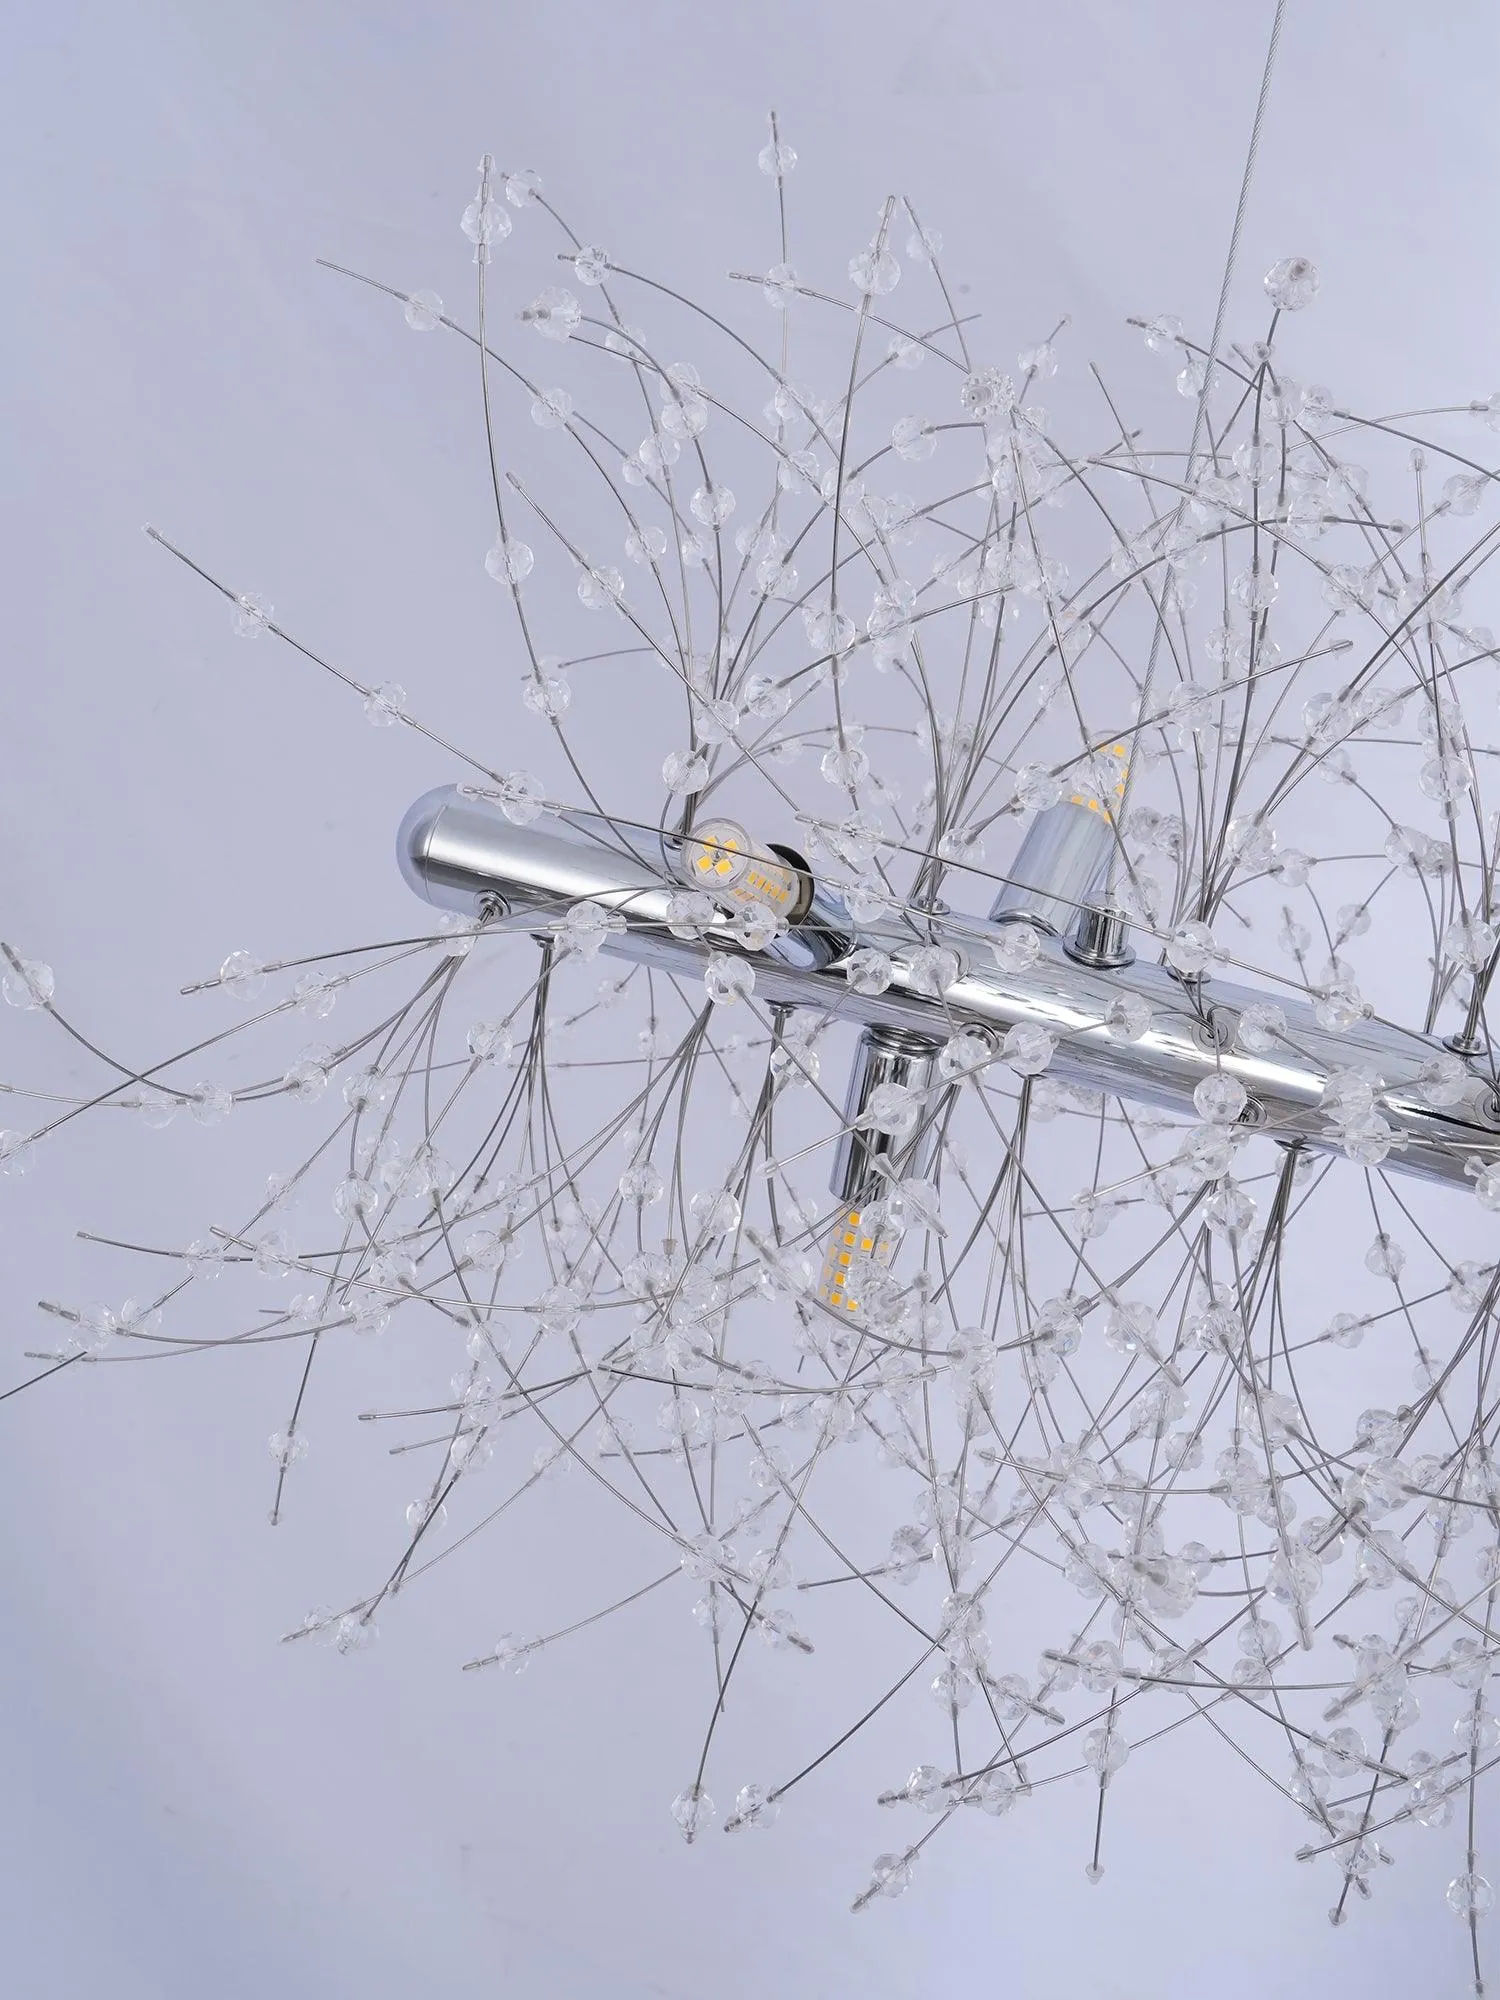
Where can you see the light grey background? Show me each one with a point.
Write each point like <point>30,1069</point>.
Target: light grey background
<point>187,1808</point>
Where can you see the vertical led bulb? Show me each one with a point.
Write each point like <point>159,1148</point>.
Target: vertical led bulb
<point>859,1234</point>
<point>886,1057</point>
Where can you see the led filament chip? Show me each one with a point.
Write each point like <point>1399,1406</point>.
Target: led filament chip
<point>720,858</point>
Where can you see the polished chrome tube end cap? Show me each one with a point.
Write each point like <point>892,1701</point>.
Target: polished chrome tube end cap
<point>415,836</point>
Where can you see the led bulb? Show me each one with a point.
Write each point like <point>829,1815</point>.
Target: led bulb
<point>853,1238</point>
<point>720,858</point>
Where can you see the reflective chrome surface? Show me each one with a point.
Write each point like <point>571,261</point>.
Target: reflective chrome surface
<point>1060,864</point>
<point>1100,938</point>
<point>460,853</point>
<point>884,1055</point>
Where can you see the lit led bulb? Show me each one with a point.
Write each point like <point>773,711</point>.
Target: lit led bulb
<point>720,858</point>
<point>860,1235</point>
<point>885,1133</point>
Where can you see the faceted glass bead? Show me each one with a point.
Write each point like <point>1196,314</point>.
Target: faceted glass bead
<point>728,979</point>
<point>386,704</point>
<point>868,971</point>
<point>755,1806</point>
<point>1129,1327</point>
<point>274,1254</point>
<point>598,589</point>
<point>523,188</point>
<point>509,561</point>
<point>777,160</point>
<point>1291,284</point>
<point>520,797</point>
<point>1345,1330</point>
<point>546,694</point>
<point>586,927</point>
<point>932,969</point>
<point>780,286</point>
<point>1385,1257</point>
<point>242,975</point>
<point>1256,589</point>
<point>287,1448</point>
<point>210,1103</point>
<point>648,545</point>
<point>1128,1018</point>
<point>1462,493</point>
<point>913,439</point>
<point>1105,1751</point>
<point>251,614</point>
<point>845,764</point>
<point>891,1874</point>
<point>964,1054</point>
<point>486,1249</point>
<point>356,1200</point>
<point>830,631</point>
<point>424,311</point>
<point>1220,1099</point>
<point>491,1042</point>
<point>1471,1895</point>
<point>694,1812</point>
<point>874,272</point>
<point>551,409</point>
<point>685,771</point>
<point>1470,941</point>
<point>642,1183</point>
<point>27,982</point>
<point>1039,362</point>
<point>316,994</point>
<point>1027,1049</point>
<point>716,1211</point>
<point>485,222</point>
<point>554,313</point>
<point>713,505</point>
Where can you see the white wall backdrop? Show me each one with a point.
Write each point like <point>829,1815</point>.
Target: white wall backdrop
<point>187,1807</point>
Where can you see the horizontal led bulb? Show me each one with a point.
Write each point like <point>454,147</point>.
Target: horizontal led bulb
<point>720,858</point>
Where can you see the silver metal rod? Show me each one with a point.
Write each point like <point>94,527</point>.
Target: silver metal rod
<point>463,854</point>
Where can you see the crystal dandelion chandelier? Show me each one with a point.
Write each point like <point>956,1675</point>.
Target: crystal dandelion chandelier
<point>984,1106</point>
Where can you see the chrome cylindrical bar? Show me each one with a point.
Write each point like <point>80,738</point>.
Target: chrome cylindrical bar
<point>463,854</point>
